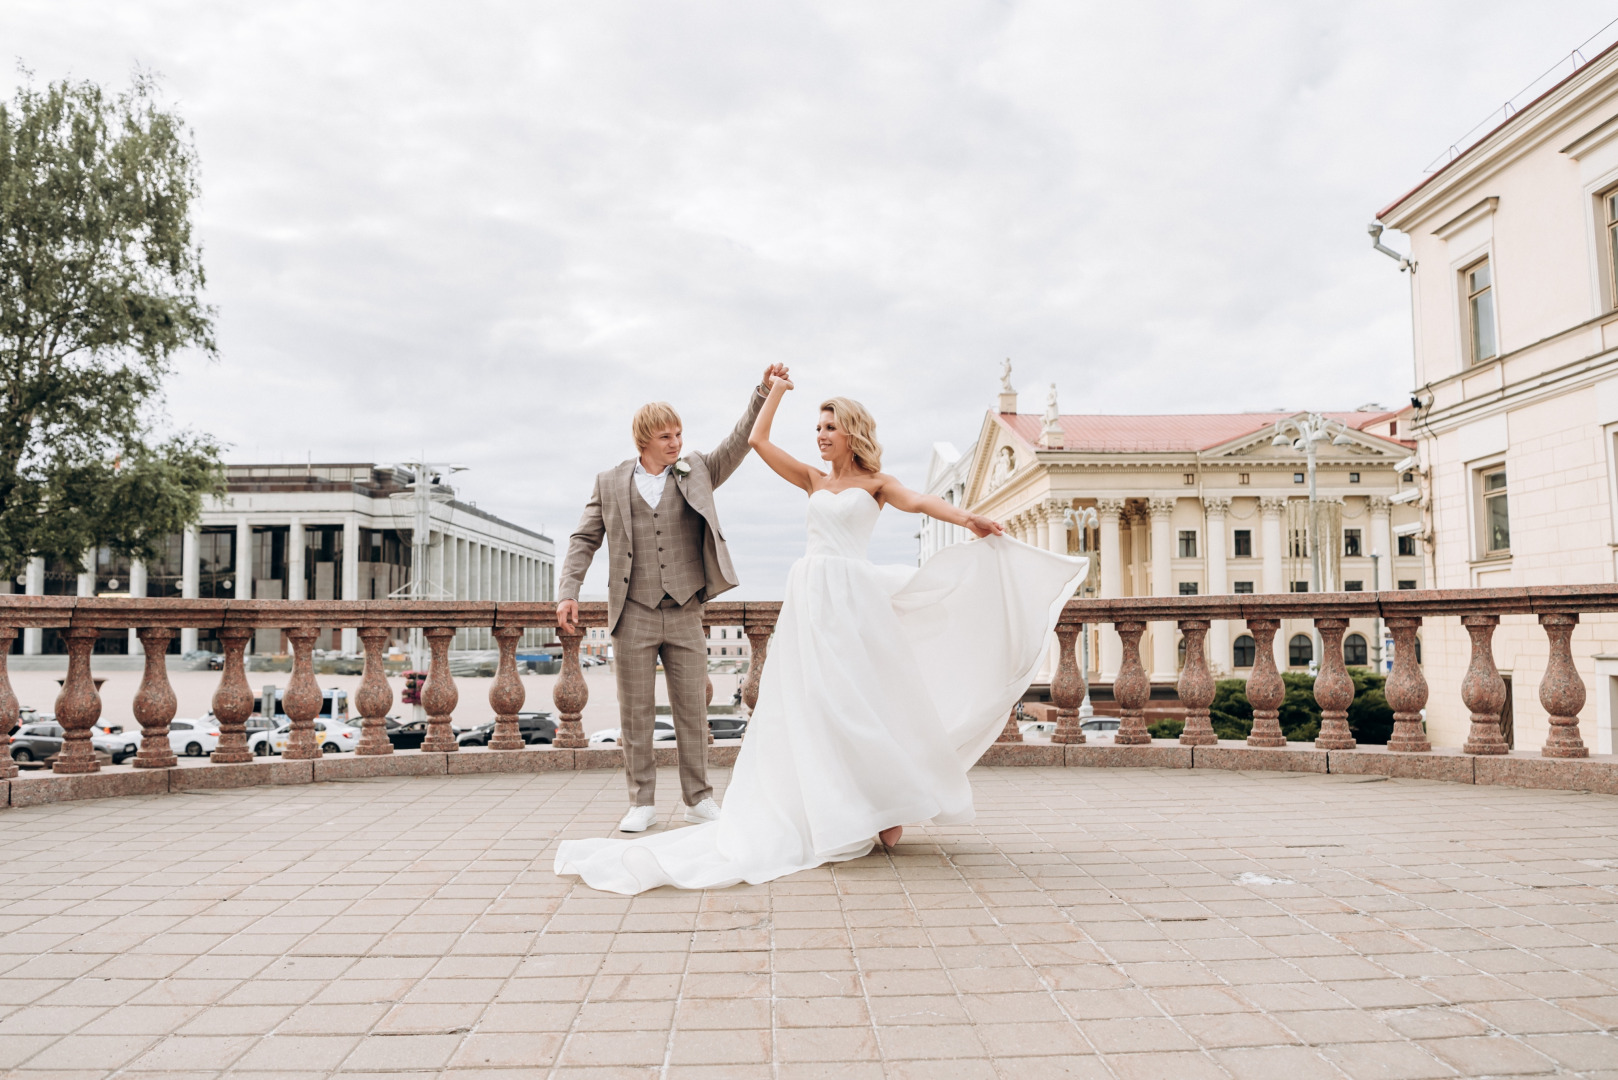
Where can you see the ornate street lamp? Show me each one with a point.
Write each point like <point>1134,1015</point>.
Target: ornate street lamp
<point>1302,435</point>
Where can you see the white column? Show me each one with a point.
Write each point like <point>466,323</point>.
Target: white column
<point>351,576</point>
<point>1112,581</point>
<point>137,588</point>
<point>87,573</point>
<point>1213,538</point>
<point>1382,542</point>
<point>297,573</point>
<point>243,574</point>
<point>190,573</point>
<point>1271,507</point>
<point>34,585</point>
<point>1162,512</point>
<point>1052,537</point>
<point>1139,584</point>
<point>1042,530</point>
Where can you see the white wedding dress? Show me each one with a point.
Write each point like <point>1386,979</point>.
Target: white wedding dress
<point>883,685</point>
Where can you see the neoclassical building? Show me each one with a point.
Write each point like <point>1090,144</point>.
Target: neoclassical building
<point>1198,504</point>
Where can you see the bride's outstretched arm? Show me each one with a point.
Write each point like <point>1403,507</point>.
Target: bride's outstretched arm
<point>900,497</point>
<point>788,467</point>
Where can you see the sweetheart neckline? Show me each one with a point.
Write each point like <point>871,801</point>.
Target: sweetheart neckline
<point>834,494</point>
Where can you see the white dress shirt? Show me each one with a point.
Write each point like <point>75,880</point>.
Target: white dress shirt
<point>650,485</point>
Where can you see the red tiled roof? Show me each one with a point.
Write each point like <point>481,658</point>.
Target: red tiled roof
<point>1184,432</point>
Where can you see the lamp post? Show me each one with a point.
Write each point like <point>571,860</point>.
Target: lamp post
<point>1084,520</point>
<point>1302,433</point>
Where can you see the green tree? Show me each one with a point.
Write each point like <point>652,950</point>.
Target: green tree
<point>1370,717</point>
<point>99,291</point>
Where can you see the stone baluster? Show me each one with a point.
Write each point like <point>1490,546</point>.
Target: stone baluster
<point>1132,689</point>
<point>9,712</point>
<point>1067,687</point>
<point>758,641</point>
<point>1406,688</point>
<point>1334,688</point>
<point>1012,732</point>
<point>155,703</point>
<point>570,694</point>
<point>1196,686</point>
<point>1265,689</point>
<point>507,695</point>
<point>1483,690</point>
<point>439,697</point>
<point>233,700</point>
<point>708,676</point>
<point>374,697</point>
<point>78,706</point>
<point>1561,691</point>
<point>302,699</point>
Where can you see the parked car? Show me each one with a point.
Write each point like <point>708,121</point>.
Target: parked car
<point>332,737</point>
<point>115,744</point>
<point>662,731</point>
<point>534,727</point>
<point>407,735</point>
<point>39,741</point>
<point>727,727</point>
<point>333,706</point>
<point>194,738</point>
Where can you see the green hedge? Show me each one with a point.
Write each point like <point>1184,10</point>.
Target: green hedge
<point>1370,717</point>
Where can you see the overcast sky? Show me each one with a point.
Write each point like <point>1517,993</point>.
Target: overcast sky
<point>489,231</point>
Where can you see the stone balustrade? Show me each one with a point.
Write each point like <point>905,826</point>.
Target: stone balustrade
<point>156,621</point>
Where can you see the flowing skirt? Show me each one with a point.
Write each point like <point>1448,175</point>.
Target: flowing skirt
<point>883,686</point>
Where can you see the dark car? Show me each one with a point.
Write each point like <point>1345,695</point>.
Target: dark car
<point>535,727</point>
<point>406,736</point>
<point>36,742</point>
<point>727,727</point>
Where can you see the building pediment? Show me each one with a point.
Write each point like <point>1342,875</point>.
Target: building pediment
<point>1259,447</point>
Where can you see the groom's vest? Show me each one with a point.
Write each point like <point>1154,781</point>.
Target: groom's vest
<point>667,556</point>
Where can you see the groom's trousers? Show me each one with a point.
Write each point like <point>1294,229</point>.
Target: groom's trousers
<point>673,633</point>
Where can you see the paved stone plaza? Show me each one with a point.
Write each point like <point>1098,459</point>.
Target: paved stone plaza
<point>1094,922</point>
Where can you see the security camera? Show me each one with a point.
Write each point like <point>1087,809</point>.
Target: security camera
<point>1406,464</point>
<point>1409,495</point>
<point>1409,528</point>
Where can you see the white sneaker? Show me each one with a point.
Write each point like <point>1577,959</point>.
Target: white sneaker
<point>639,819</point>
<point>706,810</point>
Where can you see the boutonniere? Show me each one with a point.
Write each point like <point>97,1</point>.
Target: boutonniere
<point>682,468</point>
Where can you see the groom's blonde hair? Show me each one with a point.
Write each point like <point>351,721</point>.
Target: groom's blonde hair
<point>860,427</point>
<point>652,418</point>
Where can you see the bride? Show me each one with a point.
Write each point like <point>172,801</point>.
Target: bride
<point>884,683</point>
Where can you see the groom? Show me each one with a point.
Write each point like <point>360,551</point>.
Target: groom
<point>660,504</point>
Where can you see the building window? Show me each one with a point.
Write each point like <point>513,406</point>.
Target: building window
<point>1353,478</point>
<point>1496,521</point>
<point>1190,478</point>
<point>1353,586</point>
<point>1407,583</point>
<point>1188,588</point>
<point>1297,478</point>
<point>1300,650</point>
<point>1243,587</point>
<point>1244,478</point>
<point>1188,543</point>
<point>1354,651</point>
<point>1243,543</point>
<point>1243,652</point>
<point>1609,205</point>
<point>1478,282</point>
<point>1300,586</point>
<point>1351,542</point>
<point>1407,545</point>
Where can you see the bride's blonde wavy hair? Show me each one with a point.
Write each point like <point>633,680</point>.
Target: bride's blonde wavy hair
<point>860,427</point>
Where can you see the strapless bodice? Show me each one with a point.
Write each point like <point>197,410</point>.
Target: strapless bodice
<point>840,523</point>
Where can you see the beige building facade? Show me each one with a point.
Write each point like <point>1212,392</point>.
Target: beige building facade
<point>1514,296</point>
<point>1198,504</point>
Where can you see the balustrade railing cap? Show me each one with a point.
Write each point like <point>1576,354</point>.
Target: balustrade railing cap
<point>126,613</point>
<point>37,611</point>
<point>1572,599</point>
<point>761,612</point>
<point>723,612</point>
<point>1439,602</point>
<point>1324,605</point>
<point>542,614</point>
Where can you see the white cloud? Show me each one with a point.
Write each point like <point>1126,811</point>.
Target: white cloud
<point>489,231</point>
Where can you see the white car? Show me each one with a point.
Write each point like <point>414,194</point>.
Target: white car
<point>114,743</point>
<point>194,738</point>
<point>662,731</point>
<point>331,736</point>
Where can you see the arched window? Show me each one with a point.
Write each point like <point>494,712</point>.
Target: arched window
<point>1354,651</point>
<point>1243,652</point>
<point>1179,662</point>
<point>1300,650</point>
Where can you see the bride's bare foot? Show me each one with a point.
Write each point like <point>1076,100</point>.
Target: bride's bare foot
<point>890,837</point>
